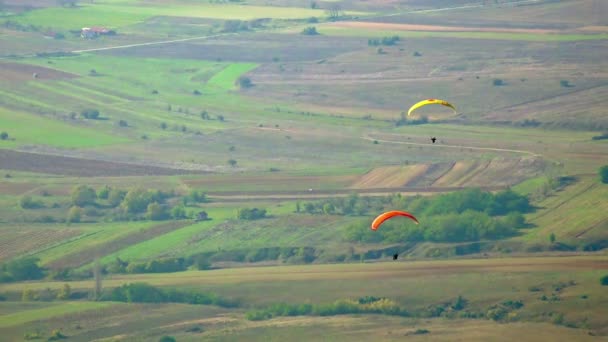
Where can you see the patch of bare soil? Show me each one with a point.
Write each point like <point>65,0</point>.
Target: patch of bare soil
<point>17,72</point>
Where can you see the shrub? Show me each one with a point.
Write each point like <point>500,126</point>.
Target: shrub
<point>32,336</point>
<point>604,280</point>
<point>91,114</point>
<point>310,31</point>
<point>604,174</point>
<point>498,82</point>
<point>245,82</point>
<point>27,202</point>
<point>56,335</point>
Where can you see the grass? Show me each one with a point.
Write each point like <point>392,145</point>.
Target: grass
<point>227,78</point>
<point>31,129</point>
<point>54,310</point>
<point>571,213</point>
<point>171,243</point>
<point>92,235</point>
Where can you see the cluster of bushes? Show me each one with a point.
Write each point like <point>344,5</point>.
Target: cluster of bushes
<point>118,204</point>
<point>387,41</point>
<point>310,31</point>
<point>164,265</point>
<point>251,214</point>
<point>404,121</point>
<point>295,255</point>
<point>364,305</point>
<point>602,136</point>
<point>145,293</point>
<point>468,215</point>
<point>91,114</point>
<point>499,312</point>
<point>21,269</point>
<point>48,294</point>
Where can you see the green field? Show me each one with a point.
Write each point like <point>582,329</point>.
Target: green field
<point>30,129</point>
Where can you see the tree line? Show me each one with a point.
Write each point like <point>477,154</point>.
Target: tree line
<point>468,215</point>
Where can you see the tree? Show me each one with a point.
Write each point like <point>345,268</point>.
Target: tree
<point>498,82</point>
<point>204,115</point>
<point>604,174</point>
<point>178,212</point>
<point>202,263</point>
<point>74,214</point>
<point>334,11</point>
<point>115,196</point>
<point>232,162</point>
<point>167,339</point>
<point>552,237</point>
<point>83,195</point>
<point>136,200</point>
<point>163,125</point>
<point>565,83</point>
<point>24,269</point>
<point>3,136</point>
<point>104,192</point>
<point>220,117</point>
<point>65,292</point>
<point>97,276</point>
<point>245,82</point>
<point>604,280</point>
<point>156,212</point>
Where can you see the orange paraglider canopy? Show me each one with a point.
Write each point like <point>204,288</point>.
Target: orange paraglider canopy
<point>389,214</point>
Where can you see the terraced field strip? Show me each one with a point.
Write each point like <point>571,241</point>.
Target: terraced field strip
<point>86,255</point>
<point>22,99</point>
<point>86,90</point>
<point>15,241</point>
<point>389,176</point>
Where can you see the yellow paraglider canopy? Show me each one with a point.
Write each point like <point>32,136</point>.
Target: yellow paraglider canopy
<point>428,102</point>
